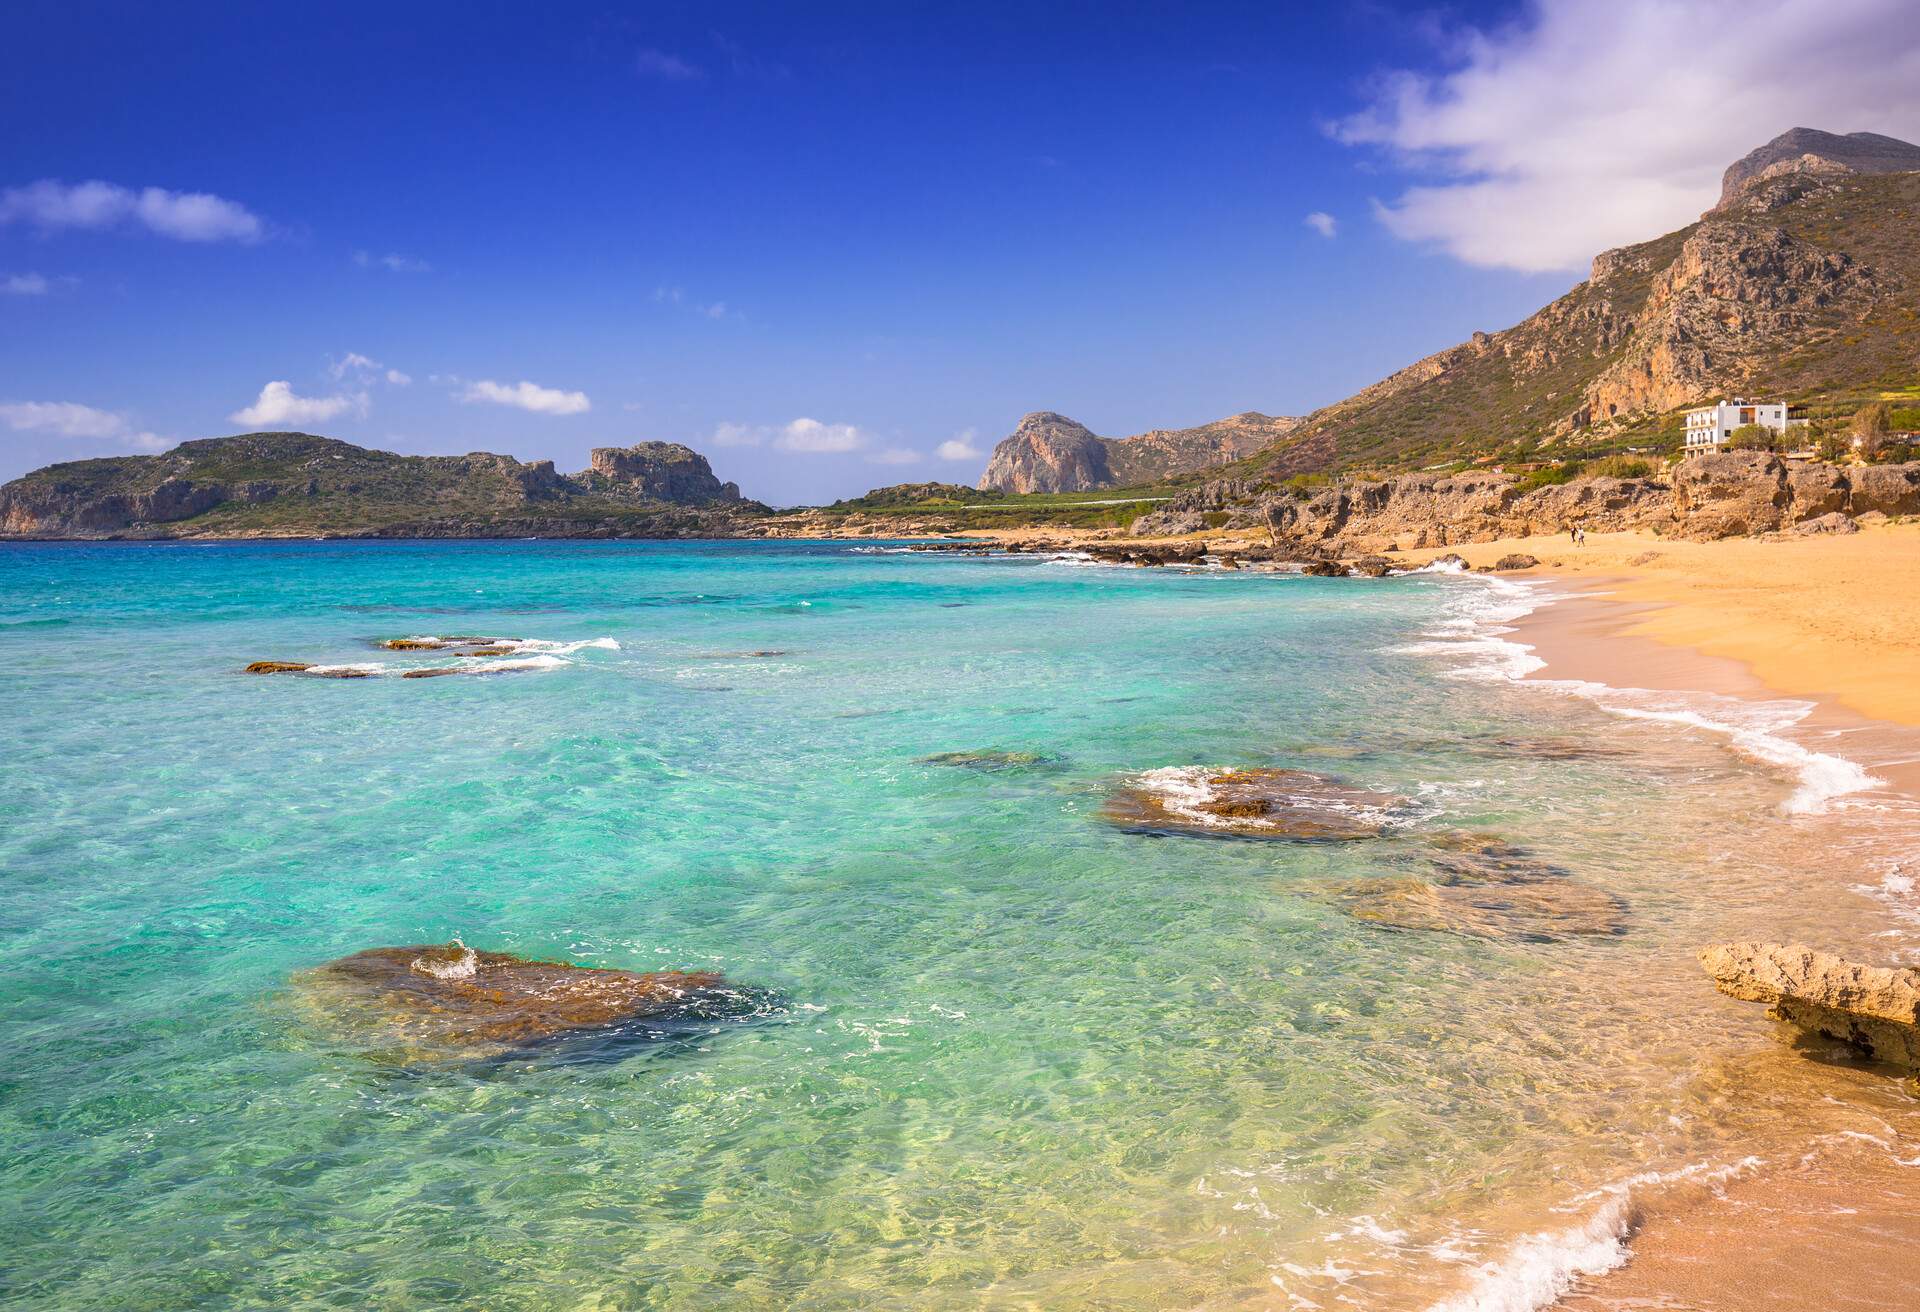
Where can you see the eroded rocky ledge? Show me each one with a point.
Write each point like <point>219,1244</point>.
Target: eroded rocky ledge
<point>1874,1010</point>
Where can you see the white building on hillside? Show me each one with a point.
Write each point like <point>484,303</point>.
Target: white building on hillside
<point>1710,426</point>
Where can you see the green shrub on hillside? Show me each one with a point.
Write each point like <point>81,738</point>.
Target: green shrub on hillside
<point>1753,437</point>
<point>1620,467</point>
<point>1549,476</point>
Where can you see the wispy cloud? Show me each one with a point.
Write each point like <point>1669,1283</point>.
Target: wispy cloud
<point>963,445</point>
<point>392,262</point>
<point>528,396</point>
<point>360,367</point>
<point>1323,223</point>
<point>705,309</point>
<point>70,419</point>
<point>25,284</point>
<point>51,206</point>
<point>739,434</point>
<point>664,67</point>
<point>811,437</point>
<point>278,404</point>
<point>1585,126</point>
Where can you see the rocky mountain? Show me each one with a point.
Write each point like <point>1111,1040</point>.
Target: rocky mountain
<point>1809,150</point>
<point>1052,453</point>
<point>298,485</point>
<point>1802,284</point>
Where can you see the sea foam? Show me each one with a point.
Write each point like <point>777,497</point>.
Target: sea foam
<point>1475,630</point>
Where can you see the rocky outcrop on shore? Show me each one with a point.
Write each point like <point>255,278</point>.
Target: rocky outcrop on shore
<point>1874,1010</point>
<point>1724,494</point>
<point>441,1002</point>
<point>300,485</point>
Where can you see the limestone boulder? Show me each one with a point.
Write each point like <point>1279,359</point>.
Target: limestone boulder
<point>1874,1010</point>
<point>1726,494</point>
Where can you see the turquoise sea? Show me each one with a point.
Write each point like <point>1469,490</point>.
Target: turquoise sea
<point>1009,1057</point>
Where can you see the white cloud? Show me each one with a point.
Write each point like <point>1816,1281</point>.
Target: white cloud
<point>738,435</point>
<point>24,284</point>
<point>1323,223</point>
<point>961,446</point>
<point>278,405</point>
<point>69,419</point>
<point>896,455</point>
<point>811,437</point>
<point>392,261</point>
<point>397,378</point>
<point>528,396</point>
<point>1588,126</point>
<point>665,67</point>
<point>183,215</point>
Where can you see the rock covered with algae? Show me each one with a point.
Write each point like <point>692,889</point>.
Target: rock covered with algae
<point>1485,887</point>
<point>450,1002</point>
<point>1209,802</point>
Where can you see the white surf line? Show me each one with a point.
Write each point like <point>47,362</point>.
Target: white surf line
<point>1478,625</point>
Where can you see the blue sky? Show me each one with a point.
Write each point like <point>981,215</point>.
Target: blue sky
<point>821,244</point>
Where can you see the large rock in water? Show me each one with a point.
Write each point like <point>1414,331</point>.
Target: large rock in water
<point>1874,1010</point>
<point>662,471</point>
<point>450,1002</point>
<point>1200,802</point>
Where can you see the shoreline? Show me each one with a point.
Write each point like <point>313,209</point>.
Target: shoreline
<point>1836,1227</point>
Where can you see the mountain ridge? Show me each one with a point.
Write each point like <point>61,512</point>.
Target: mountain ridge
<point>301,484</point>
<point>1049,452</point>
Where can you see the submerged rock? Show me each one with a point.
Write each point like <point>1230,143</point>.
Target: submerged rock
<point>987,760</point>
<point>1208,802</point>
<point>1537,912</point>
<point>1875,1010</point>
<point>440,1002</point>
<point>1481,885</point>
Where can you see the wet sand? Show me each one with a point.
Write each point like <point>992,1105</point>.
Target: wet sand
<point>1834,1223</point>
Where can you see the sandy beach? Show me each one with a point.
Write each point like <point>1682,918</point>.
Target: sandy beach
<point>1821,617</point>
<point>1831,621</point>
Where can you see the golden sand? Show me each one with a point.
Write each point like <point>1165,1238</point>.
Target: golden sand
<point>1822,616</point>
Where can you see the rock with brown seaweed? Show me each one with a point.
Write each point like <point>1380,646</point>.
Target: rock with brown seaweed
<point>988,761</point>
<point>450,1002</point>
<point>1209,802</point>
<point>1482,885</point>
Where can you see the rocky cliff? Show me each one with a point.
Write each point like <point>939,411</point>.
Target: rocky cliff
<point>1051,453</point>
<point>1809,150</point>
<point>1801,284</point>
<point>1728,494</point>
<point>297,484</point>
<point>658,471</point>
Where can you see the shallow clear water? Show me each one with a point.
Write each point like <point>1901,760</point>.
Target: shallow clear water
<point>1017,1058</point>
